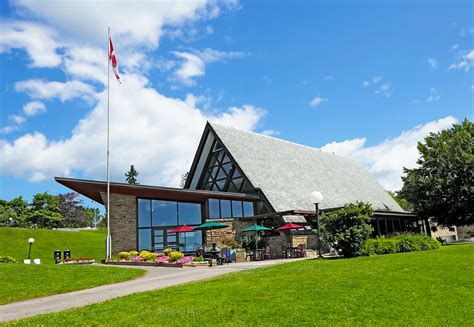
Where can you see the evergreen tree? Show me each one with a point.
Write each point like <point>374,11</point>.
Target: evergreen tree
<point>131,176</point>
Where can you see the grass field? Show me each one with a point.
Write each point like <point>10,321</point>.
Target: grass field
<point>20,282</point>
<point>432,288</point>
<point>14,242</point>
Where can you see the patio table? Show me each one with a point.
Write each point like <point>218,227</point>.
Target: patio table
<point>292,250</point>
<point>258,255</point>
<point>213,254</point>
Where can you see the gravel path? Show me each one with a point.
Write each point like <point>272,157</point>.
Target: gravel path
<point>156,278</point>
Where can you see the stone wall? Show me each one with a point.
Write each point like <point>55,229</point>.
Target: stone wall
<point>234,231</point>
<point>123,221</point>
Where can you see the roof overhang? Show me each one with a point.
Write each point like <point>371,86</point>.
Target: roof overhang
<point>92,189</point>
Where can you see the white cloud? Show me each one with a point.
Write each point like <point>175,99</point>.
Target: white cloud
<point>377,79</point>
<point>384,90</point>
<point>317,101</point>
<point>433,63</point>
<point>131,24</point>
<point>387,159</point>
<point>270,132</point>
<point>329,77</point>
<point>464,61</point>
<point>37,40</point>
<point>365,84</point>
<point>467,31</point>
<point>434,96</point>
<point>8,129</point>
<point>45,90</point>
<point>155,133</point>
<point>33,108</point>
<point>17,119</point>
<point>194,63</point>
<point>454,46</point>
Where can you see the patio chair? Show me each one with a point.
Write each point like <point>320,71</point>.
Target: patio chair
<point>222,257</point>
<point>267,253</point>
<point>248,254</point>
<point>302,251</point>
<point>442,240</point>
<point>284,251</point>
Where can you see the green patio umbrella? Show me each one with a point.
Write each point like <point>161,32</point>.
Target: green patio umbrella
<point>211,225</point>
<point>256,228</point>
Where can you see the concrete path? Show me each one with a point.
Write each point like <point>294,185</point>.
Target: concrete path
<point>156,278</point>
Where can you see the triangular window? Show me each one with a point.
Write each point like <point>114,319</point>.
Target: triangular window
<point>222,174</point>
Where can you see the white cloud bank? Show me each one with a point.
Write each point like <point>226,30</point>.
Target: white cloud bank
<point>387,159</point>
<point>317,101</point>
<point>155,133</point>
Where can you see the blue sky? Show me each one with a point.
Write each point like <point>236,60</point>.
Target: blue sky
<point>367,80</point>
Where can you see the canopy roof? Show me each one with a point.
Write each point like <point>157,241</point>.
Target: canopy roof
<point>287,172</point>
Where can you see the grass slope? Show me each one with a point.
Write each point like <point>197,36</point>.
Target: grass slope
<point>14,242</point>
<point>21,282</point>
<point>420,288</point>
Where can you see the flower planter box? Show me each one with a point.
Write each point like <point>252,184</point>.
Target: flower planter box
<point>196,264</point>
<point>81,262</point>
<point>143,263</point>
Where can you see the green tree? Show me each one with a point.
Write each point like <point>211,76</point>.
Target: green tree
<point>442,187</point>
<point>348,227</point>
<point>401,201</point>
<point>72,209</point>
<point>184,177</point>
<point>131,176</point>
<point>44,211</point>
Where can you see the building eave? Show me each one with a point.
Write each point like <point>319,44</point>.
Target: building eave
<point>92,190</point>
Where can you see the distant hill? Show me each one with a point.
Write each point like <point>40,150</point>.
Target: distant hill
<point>14,242</point>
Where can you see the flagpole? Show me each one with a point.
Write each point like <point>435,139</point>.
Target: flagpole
<point>109,238</point>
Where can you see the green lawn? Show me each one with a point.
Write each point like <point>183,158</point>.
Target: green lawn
<point>432,288</point>
<point>14,242</point>
<point>21,282</point>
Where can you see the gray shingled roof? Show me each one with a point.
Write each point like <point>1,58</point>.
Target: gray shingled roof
<point>287,172</point>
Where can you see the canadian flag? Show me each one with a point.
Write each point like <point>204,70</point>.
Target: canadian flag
<point>113,60</point>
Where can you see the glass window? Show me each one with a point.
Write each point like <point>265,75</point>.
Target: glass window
<point>190,241</point>
<point>221,174</point>
<point>164,213</point>
<point>144,239</point>
<point>220,184</point>
<point>236,209</point>
<point>225,209</point>
<point>144,213</point>
<point>214,211</point>
<point>189,213</point>
<point>248,209</point>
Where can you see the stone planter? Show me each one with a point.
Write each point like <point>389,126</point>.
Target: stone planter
<point>240,255</point>
<point>144,263</point>
<point>197,264</point>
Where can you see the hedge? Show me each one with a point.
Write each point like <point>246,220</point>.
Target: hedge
<point>400,243</point>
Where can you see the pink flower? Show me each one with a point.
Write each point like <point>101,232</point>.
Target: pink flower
<point>162,259</point>
<point>137,259</point>
<point>186,259</point>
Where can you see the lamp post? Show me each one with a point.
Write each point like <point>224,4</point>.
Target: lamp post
<point>316,198</point>
<point>31,240</point>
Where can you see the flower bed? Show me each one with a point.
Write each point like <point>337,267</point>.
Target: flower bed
<point>78,261</point>
<point>167,258</point>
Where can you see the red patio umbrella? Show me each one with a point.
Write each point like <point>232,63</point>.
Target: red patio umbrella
<point>182,229</point>
<point>290,226</point>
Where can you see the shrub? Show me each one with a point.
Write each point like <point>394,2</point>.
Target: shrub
<point>144,253</point>
<point>134,253</point>
<point>124,255</point>
<point>175,255</point>
<point>167,251</point>
<point>199,259</point>
<point>400,243</point>
<point>8,259</point>
<point>348,227</point>
<point>151,257</point>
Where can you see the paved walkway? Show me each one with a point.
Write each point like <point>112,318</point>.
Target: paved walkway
<point>156,278</point>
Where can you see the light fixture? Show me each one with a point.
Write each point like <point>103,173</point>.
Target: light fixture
<point>316,198</point>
